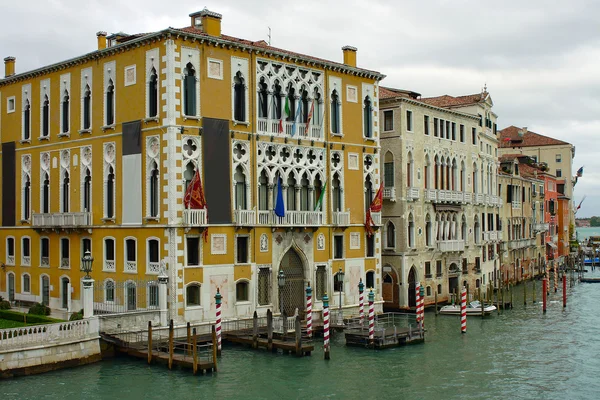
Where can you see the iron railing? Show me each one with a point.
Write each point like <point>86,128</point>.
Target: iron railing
<point>115,297</point>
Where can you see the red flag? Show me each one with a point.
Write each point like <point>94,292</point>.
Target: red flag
<point>369,223</point>
<point>507,139</point>
<point>194,195</point>
<point>377,202</point>
<point>280,125</point>
<point>310,114</point>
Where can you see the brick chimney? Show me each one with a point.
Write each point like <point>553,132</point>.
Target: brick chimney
<point>349,55</point>
<point>207,21</point>
<point>9,66</point>
<point>101,40</point>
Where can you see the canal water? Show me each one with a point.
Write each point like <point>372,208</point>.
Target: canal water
<point>518,354</point>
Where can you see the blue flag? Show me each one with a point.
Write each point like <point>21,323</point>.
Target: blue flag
<point>297,116</point>
<point>279,207</point>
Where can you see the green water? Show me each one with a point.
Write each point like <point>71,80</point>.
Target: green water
<point>519,354</point>
<point>584,233</point>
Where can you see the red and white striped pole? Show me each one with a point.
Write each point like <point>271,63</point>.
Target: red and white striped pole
<point>418,302</point>
<point>218,324</point>
<point>371,317</point>
<point>361,301</point>
<point>309,310</point>
<point>422,306</point>
<point>555,278</point>
<point>326,326</point>
<point>463,310</point>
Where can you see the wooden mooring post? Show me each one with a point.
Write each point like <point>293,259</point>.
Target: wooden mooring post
<point>171,349</point>
<point>149,342</point>
<point>255,331</point>
<point>481,302</point>
<point>525,293</point>
<point>189,338</point>
<point>533,291</point>
<point>298,337</point>
<point>269,330</point>
<point>195,353</point>
<point>435,299</point>
<point>214,346</point>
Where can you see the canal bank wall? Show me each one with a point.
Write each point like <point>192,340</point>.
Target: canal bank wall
<point>42,348</point>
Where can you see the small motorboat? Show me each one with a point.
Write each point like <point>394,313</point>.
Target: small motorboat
<point>473,308</point>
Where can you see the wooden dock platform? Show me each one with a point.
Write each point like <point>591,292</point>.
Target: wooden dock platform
<point>391,330</point>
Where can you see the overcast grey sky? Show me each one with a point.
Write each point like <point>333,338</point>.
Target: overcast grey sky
<point>539,58</point>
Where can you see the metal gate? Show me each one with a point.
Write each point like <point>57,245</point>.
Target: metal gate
<point>45,290</point>
<point>292,294</point>
<point>11,287</point>
<point>65,292</point>
<point>113,297</point>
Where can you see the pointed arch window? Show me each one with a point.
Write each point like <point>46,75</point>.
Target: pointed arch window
<point>263,191</point>
<point>304,193</point>
<point>388,170</point>
<point>188,175</point>
<point>427,172</point>
<point>65,112</point>
<point>263,99</point>
<point>316,194</point>
<point>87,107</point>
<point>276,113</point>
<point>87,191</point>
<point>390,234</point>
<point>189,90</point>
<point>368,118</point>
<point>45,117</point>
<point>45,193</point>
<point>290,103</point>
<point>239,97</point>
<point>240,189</point>
<point>411,231</point>
<point>110,193</point>
<point>154,190</point>
<point>291,193</point>
<point>110,103</point>
<point>27,198</point>
<point>409,170</point>
<point>304,106</point>
<point>153,94</point>
<point>335,112</point>
<point>317,112</point>
<point>368,192</point>
<point>27,120</point>
<point>65,192</point>
<point>428,231</point>
<point>337,193</point>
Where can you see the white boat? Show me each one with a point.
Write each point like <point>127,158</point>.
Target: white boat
<point>473,308</point>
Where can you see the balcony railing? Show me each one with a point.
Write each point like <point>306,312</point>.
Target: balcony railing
<point>451,245</point>
<point>45,262</point>
<point>298,129</point>
<point>291,218</point>
<point>412,193</point>
<point>467,198</point>
<point>65,263</point>
<point>541,227</point>
<point>194,217</point>
<point>341,218</point>
<point>130,266</point>
<point>479,198</point>
<point>244,217</point>
<point>153,267</point>
<point>516,205</point>
<point>63,220</point>
<point>109,265</point>
<point>430,194</point>
<point>10,260</point>
<point>389,193</point>
<point>376,218</point>
<point>26,261</point>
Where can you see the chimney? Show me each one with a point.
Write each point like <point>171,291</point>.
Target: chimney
<point>207,21</point>
<point>9,66</point>
<point>101,40</point>
<point>349,55</point>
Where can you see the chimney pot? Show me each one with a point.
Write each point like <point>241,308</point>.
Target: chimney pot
<point>9,66</point>
<point>349,55</point>
<point>101,35</point>
<point>207,21</point>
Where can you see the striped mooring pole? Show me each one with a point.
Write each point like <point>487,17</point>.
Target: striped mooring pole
<point>422,306</point>
<point>463,310</point>
<point>555,278</point>
<point>564,290</point>
<point>544,294</point>
<point>326,326</point>
<point>361,301</point>
<point>371,317</point>
<point>418,301</point>
<point>218,298</point>
<point>309,310</point>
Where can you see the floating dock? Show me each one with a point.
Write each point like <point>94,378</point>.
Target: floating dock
<point>391,330</point>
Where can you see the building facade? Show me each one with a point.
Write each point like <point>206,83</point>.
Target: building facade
<point>98,151</point>
<point>441,206</point>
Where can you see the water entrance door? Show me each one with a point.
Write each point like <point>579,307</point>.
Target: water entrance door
<point>390,289</point>
<point>412,296</point>
<point>65,292</point>
<point>292,294</point>
<point>453,286</point>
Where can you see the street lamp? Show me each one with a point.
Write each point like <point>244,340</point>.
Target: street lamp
<point>281,283</point>
<point>340,279</point>
<point>86,264</point>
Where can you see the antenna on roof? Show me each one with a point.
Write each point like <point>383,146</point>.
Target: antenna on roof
<point>269,35</point>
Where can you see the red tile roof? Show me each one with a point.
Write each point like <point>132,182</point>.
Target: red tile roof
<point>391,93</point>
<point>451,101</point>
<point>509,137</point>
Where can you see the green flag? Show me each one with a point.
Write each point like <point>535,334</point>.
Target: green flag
<point>287,110</point>
<point>320,201</point>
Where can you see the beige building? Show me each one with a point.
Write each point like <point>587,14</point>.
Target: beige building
<point>440,213</point>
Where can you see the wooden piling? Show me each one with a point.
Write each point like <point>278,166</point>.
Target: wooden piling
<point>481,302</point>
<point>195,352</point>
<point>544,294</point>
<point>255,331</point>
<point>214,346</point>
<point>564,286</point>
<point>534,291</point>
<point>189,339</point>
<point>149,342</point>
<point>435,299</point>
<point>171,349</point>
<point>525,293</point>
<point>298,337</point>
<point>269,330</point>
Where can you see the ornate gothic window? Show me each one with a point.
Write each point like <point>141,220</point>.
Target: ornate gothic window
<point>189,90</point>
<point>411,231</point>
<point>65,192</point>
<point>368,118</point>
<point>110,193</point>
<point>291,103</point>
<point>240,189</point>
<point>45,193</point>
<point>154,190</point>
<point>335,112</point>
<point>45,117</point>
<point>390,235</point>
<point>65,112</point>
<point>239,100</point>
<point>337,193</point>
<point>276,109</point>
<point>263,99</point>
<point>368,192</point>
<point>26,197</point>
<point>263,191</point>
<point>27,121</point>
<point>87,107</point>
<point>291,193</point>
<point>87,191</point>
<point>153,94</point>
<point>304,193</point>
<point>110,103</point>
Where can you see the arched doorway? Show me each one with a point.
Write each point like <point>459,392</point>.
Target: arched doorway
<point>412,280</point>
<point>292,294</point>
<point>45,290</point>
<point>390,288</point>
<point>64,291</point>
<point>11,287</point>
<point>453,272</point>
<point>131,294</point>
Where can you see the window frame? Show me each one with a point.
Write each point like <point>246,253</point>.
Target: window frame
<point>199,296</point>
<point>242,283</point>
<point>237,249</point>
<point>336,247</point>
<point>104,256</point>
<point>385,120</point>
<point>409,121</point>
<point>188,238</point>
<point>28,276</point>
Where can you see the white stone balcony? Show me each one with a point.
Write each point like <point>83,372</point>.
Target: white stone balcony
<point>62,220</point>
<point>412,193</point>
<point>341,218</point>
<point>479,198</point>
<point>10,260</point>
<point>130,266</point>
<point>153,267</point>
<point>45,262</point>
<point>290,129</point>
<point>451,245</point>
<point>194,217</point>
<point>516,205</point>
<point>389,193</point>
<point>450,196</point>
<point>467,198</point>
<point>376,218</point>
<point>430,194</point>
<point>541,227</point>
<point>244,217</point>
<point>65,263</point>
<point>291,218</point>
<point>109,265</point>
<point>26,261</point>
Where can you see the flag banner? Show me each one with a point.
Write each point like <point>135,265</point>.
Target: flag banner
<point>310,114</point>
<point>580,172</point>
<point>297,117</point>
<point>377,202</point>
<point>369,223</point>
<point>279,206</point>
<point>194,194</point>
<point>507,139</point>
<point>321,196</point>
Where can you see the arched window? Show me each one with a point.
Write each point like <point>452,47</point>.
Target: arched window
<point>65,112</point>
<point>370,280</point>
<point>110,193</point>
<point>462,177</point>
<point>87,191</point>
<point>388,170</point>
<point>240,189</point>
<point>317,112</point>
<point>263,99</point>
<point>291,193</point>
<point>316,194</point>
<point>45,116</point>
<point>110,103</point>
<point>475,178</point>
<point>477,231</point>
<point>263,191</point>
<point>192,295</point>
<point>153,94</point>
<point>130,255</point>
<point>390,235</point>
<point>368,118</point>
<point>428,231</point>
<point>368,192</point>
<point>153,295</point>
<point>46,193</point>
<point>26,251</point>
<point>463,229</point>
<point>337,193</point>
<point>409,170</point>
<point>27,120</point>
<point>109,290</point>
<point>239,98</point>
<point>290,104</point>
<point>304,193</point>
<point>26,197</point>
<point>427,172</point>
<point>241,291</point>
<point>411,231</point>
<point>26,283</point>
<point>335,112</point>
<point>189,90</point>
<point>304,105</point>
<point>44,252</point>
<point>454,175</point>
<point>153,255</point>
<point>109,254</point>
<point>65,192</point>
<point>188,174</point>
<point>154,190</point>
<point>65,253</point>
<point>87,107</point>
<point>276,109</point>
<point>436,173</point>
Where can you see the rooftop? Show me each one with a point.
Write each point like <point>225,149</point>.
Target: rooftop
<point>451,101</point>
<point>517,137</point>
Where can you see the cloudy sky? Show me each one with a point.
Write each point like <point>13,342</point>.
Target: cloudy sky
<point>539,58</point>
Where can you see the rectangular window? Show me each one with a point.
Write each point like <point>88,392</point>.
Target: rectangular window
<point>86,245</point>
<point>480,120</point>
<point>388,174</point>
<point>442,125</point>
<point>558,158</point>
<point>447,129</point>
<point>454,131</point>
<point>338,247</point>
<point>559,173</point>
<point>438,268</point>
<point>64,253</point>
<point>462,133</point>
<point>242,249</point>
<point>264,277</point>
<point>388,120</point>
<point>10,104</point>
<point>320,282</point>
<point>474,136</point>
<point>477,264</point>
<point>465,269</point>
<point>426,124</point>
<point>427,269</point>
<point>435,127</point>
<point>193,251</point>
<point>26,247</point>
<point>370,246</point>
<point>130,251</point>
<point>241,291</point>
<point>409,121</point>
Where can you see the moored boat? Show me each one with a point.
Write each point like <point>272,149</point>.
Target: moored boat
<point>473,308</point>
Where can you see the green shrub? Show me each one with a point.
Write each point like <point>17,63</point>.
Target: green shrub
<point>31,318</point>
<point>4,305</point>
<point>77,316</point>
<point>39,309</point>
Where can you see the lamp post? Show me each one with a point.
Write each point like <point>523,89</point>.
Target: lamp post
<point>86,264</point>
<point>340,279</point>
<point>88,284</point>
